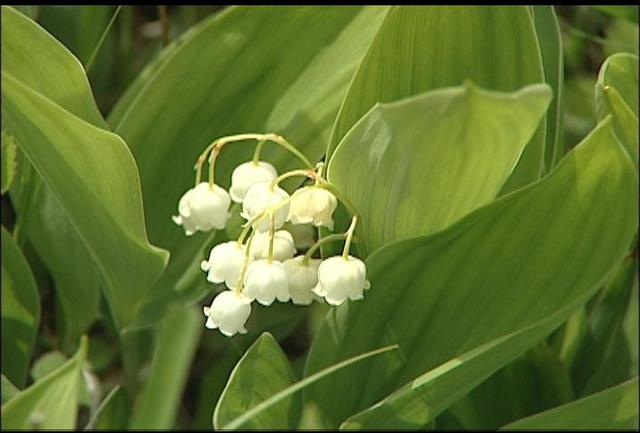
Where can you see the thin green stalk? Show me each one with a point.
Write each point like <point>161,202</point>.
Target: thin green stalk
<point>326,239</point>
<point>99,44</point>
<point>347,244</point>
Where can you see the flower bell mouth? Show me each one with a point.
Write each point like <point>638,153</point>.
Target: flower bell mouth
<point>266,281</point>
<point>340,279</point>
<point>313,205</point>
<point>229,312</point>
<point>225,263</point>
<point>203,208</point>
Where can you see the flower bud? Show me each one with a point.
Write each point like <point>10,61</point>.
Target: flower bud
<point>302,279</point>
<point>203,208</point>
<point>261,197</point>
<point>225,263</point>
<point>339,279</point>
<point>283,247</point>
<point>229,311</point>
<point>266,281</point>
<point>248,174</point>
<point>314,205</point>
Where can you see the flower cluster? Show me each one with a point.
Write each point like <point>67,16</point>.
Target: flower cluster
<point>262,265</point>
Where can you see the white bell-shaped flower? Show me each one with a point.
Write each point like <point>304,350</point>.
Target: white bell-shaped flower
<point>304,235</point>
<point>302,277</point>
<point>266,281</point>
<point>203,208</point>
<point>261,197</point>
<point>248,174</point>
<point>339,279</point>
<point>229,311</point>
<point>283,246</point>
<point>314,205</point>
<point>225,263</point>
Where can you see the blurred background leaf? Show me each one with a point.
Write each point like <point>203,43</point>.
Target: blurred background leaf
<point>20,312</point>
<point>51,403</point>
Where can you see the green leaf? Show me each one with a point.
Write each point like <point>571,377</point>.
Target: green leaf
<point>600,361</point>
<point>627,12</point>
<point>550,40</point>
<point>473,283</point>
<point>263,371</point>
<point>615,408</point>
<point>285,393</point>
<point>616,94</point>
<point>443,47</point>
<point>41,217</point>
<point>50,403</point>
<point>20,311</point>
<point>397,163</point>
<point>9,161</point>
<point>9,390</point>
<point>177,340</point>
<point>248,83</point>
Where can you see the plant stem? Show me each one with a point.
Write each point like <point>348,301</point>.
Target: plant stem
<point>326,239</point>
<point>347,244</point>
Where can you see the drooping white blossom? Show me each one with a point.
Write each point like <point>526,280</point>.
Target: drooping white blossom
<point>283,246</point>
<point>302,277</point>
<point>203,208</point>
<point>266,281</point>
<point>225,263</point>
<point>340,278</point>
<point>262,197</point>
<point>313,205</point>
<point>229,311</point>
<point>248,174</point>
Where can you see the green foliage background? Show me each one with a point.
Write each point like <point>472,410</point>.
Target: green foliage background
<point>492,153</point>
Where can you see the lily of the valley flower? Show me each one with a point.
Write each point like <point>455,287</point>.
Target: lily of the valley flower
<point>265,281</point>
<point>225,263</point>
<point>203,208</point>
<point>313,205</point>
<point>340,278</point>
<point>302,278</point>
<point>248,174</point>
<point>262,197</point>
<point>283,246</point>
<point>229,311</point>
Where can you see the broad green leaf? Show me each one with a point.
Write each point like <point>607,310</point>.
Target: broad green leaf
<point>550,40</point>
<point>52,402</point>
<point>176,344</point>
<point>290,390</point>
<point>9,161</point>
<point>612,409</point>
<point>533,382</point>
<point>20,311</point>
<point>248,83</point>
<point>263,371</point>
<point>419,48</point>
<point>473,283</point>
<point>41,217</point>
<point>616,94</point>
<point>416,166</point>
<point>44,222</point>
<point>94,176</point>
